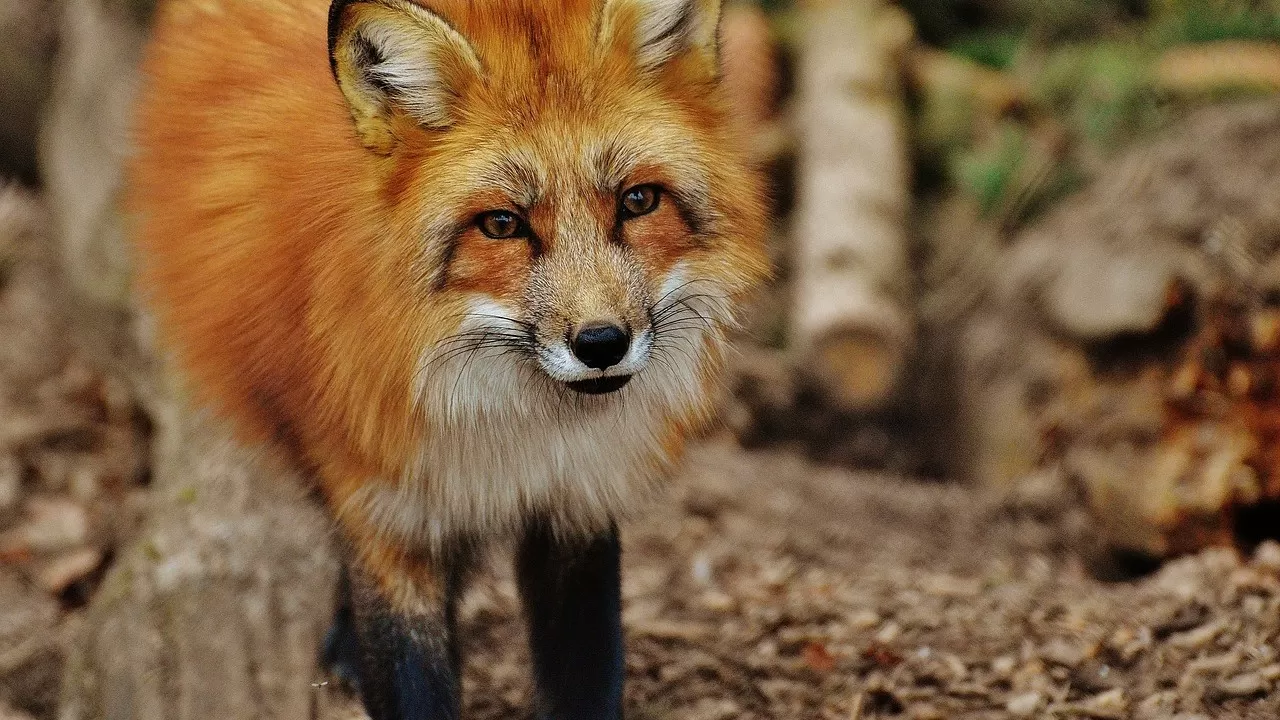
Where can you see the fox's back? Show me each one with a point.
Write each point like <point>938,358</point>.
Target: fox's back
<point>243,150</point>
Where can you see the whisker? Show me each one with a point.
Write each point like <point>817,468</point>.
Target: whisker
<point>514,321</point>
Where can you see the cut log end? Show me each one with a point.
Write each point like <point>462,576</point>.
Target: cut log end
<point>860,367</point>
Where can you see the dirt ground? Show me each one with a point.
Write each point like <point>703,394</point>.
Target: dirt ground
<point>766,587</point>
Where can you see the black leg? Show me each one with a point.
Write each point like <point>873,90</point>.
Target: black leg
<point>407,662</point>
<point>340,655</point>
<point>572,598</point>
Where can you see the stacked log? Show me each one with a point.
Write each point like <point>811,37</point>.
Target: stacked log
<point>1130,342</point>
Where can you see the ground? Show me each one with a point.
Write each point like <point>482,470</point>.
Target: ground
<point>766,587</point>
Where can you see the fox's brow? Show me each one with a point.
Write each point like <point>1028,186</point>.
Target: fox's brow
<point>610,165</point>
<point>520,180</point>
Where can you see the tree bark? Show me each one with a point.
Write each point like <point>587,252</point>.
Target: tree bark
<point>218,609</point>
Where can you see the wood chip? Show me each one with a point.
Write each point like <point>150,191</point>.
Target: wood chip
<point>67,569</point>
<point>51,524</point>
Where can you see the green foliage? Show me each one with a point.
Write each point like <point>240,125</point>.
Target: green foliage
<point>1103,89</point>
<point>993,48</point>
<point>1083,73</point>
<point>1199,21</point>
<point>1013,177</point>
<point>988,172</point>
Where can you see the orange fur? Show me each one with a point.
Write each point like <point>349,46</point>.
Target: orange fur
<point>295,271</point>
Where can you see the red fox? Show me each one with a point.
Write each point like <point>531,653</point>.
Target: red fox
<point>472,264</point>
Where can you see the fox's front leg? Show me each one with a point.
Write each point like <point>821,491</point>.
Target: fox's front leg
<point>572,597</point>
<point>401,618</point>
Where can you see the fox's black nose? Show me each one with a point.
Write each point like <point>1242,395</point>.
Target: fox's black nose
<point>600,345</point>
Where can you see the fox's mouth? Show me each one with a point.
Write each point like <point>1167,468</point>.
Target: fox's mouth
<point>600,385</point>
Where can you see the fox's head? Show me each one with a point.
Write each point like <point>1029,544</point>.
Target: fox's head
<point>577,205</point>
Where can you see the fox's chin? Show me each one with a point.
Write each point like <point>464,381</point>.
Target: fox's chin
<point>600,385</point>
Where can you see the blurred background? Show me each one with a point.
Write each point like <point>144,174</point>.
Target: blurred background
<point>1001,440</point>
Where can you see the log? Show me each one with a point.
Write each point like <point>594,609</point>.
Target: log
<point>851,318</point>
<point>218,609</point>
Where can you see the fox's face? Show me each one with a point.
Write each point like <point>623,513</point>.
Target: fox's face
<point>567,180</point>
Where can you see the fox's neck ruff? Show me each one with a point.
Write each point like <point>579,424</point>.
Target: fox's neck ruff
<point>507,441</point>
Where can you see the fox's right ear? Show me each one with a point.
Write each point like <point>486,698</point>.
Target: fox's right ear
<point>397,62</point>
<point>656,32</point>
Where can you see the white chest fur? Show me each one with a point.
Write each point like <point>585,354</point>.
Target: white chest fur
<point>508,443</point>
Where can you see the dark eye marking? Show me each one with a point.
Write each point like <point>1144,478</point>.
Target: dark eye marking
<point>639,200</point>
<point>502,225</point>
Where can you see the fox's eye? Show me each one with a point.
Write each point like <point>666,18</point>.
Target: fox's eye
<point>639,200</point>
<point>501,225</point>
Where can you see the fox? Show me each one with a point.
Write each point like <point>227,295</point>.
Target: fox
<point>472,266</point>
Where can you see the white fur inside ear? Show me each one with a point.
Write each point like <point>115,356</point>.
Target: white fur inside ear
<point>406,62</point>
<point>662,29</point>
<point>665,28</point>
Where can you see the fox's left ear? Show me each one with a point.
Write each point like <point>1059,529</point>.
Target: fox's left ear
<point>397,62</point>
<point>659,31</point>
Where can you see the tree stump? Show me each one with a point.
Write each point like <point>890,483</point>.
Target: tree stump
<point>216,609</point>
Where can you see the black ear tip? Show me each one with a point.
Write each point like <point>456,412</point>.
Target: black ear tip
<point>336,9</point>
